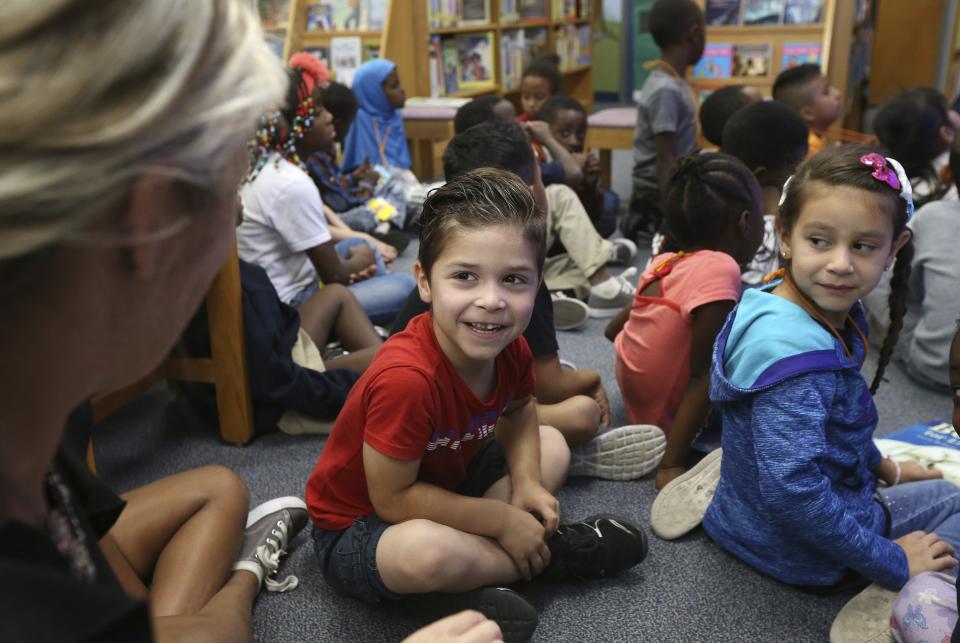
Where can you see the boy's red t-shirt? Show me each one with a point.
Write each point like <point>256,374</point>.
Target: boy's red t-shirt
<point>411,404</point>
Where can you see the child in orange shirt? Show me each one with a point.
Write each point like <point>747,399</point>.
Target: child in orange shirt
<point>805,90</point>
<point>714,213</point>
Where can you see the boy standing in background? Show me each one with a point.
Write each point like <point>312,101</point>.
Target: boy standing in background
<point>666,126</point>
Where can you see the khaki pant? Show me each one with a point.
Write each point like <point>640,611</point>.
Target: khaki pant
<point>305,354</point>
<point>587,252</point>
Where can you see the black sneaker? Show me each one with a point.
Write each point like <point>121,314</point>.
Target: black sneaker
<point>600,546</point>
<point>513,613</point>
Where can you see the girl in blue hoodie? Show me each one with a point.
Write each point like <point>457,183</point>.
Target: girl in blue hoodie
<point>798,496</point>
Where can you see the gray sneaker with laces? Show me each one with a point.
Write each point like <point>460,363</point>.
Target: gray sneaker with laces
<point>603,304</point>
<point>270,528</point>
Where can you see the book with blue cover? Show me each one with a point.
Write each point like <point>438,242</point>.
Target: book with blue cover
<point>931,434</point>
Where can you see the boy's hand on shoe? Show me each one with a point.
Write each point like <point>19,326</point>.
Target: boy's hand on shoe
<point>532,497</point>
<point>467,626</point>
<point>521,536</point>
<point>926,552</point>
<point>667,474</point>
<point>911,471</point>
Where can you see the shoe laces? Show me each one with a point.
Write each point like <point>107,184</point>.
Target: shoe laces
<point>269,554</point>
<point>626,286</point>
<point>579,550</point>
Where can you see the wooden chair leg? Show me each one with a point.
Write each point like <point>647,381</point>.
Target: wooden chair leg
<point>231,379</point>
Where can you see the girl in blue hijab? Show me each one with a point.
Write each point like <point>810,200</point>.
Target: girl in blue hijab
<point>377,133</point>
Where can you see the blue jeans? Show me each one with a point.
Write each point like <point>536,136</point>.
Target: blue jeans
<point>929,505</point>
<point>383,295</point>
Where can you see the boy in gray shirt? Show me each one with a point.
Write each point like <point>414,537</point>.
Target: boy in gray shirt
<point>666,113</point>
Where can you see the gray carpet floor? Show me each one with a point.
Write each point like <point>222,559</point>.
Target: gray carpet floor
<point>686,590</point>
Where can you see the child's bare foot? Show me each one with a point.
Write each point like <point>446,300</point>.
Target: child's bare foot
<point>666,474</point>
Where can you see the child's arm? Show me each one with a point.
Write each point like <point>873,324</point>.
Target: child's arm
<point>340,231</point>
<point>666,148</point>
<point>556,383</point>
<point>540,133</point>
<point>695,404</point>
<point>518,433</point>
<point>616,324</point>
<point>397,496</point>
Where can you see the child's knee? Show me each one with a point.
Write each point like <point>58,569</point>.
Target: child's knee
<point>222,485</point>
<point>424,554</point>
<point>584,414</point>
<point>554,451</point>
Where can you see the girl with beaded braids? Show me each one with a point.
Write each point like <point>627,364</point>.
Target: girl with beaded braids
<point>713,212</point>
<point>798,495</point>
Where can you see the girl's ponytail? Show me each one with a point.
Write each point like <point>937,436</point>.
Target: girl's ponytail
<point>899,296</point>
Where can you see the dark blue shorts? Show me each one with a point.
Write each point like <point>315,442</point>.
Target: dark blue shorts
<point>348,558</point>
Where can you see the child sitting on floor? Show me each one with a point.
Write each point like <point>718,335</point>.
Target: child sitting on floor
<point>572,400</point>
<point>437,477</point>
<point>664,338</point>
<point>720,105</point>
<point>540,80</point>
<point>377,135</point>
<point>771,140</point>
<point>568,124</point>
<point>482,110</point>
<point>805,90</point>
<point>918,129</point>
<point>798,495</point>
<point>666,127</point>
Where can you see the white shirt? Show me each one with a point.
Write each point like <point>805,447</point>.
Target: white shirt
<point>282,219</point>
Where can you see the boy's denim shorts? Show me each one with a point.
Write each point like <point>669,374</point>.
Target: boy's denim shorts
<point>348,558</point>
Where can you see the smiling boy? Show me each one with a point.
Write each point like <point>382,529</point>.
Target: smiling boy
<point>437,477</point>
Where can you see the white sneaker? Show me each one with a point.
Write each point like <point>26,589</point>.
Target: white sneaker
<point>624,453</point>
<point>622,251</point>
<point>682,503</point>
<point>609,298</point>
<point>568,313</point>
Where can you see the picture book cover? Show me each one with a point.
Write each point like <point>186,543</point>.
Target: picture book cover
<point>509,11</point>
<point>347,16</point>
<point>274,13</point>
<point>723,12</point>
<point>321,53</point>
<point>511,58</point>
<point>376,14</point>
<point>371,51</point>
<point>476,60</point>
<point>802,12</point>
<point>536,42</point>
<point>934,434</point>
<point>751,60</point>
<point>531,9</point>
<point>474,11</point>
<point>319,16</point>
<point>345,56</point>
<point>762,12</point>
<point>716,62</point>
<point>799,53</point>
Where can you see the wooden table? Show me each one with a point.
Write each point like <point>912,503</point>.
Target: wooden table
<point>607,130</point>
<point>428,130</point>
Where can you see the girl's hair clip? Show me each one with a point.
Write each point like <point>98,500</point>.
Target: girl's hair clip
<point>783,193</point>
<point>888,170</point>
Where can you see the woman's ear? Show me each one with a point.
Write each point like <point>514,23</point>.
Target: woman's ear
<point>423,282</point>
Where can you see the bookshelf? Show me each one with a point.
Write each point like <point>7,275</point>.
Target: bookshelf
<point>770,35</point>
<point>276,18</point>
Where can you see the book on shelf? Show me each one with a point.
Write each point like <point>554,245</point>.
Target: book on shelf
<point>799,53</point>
<point>561,9</point>
<point>346,54</point>
<point>586,9</point>
<point>762,12</point>
<point>572,45</point>
<point>512,58</point>
<point>319,16</point>
<point>346,15</point>
<point>320,53</point>
<point>474,12</point>
<point>533,9</point>
<point>509,11</point>
<point>371,51</point>
<point>717,62</point>
<point>450,56</point>
<point>751,61</point>
<point>802,12</point>
<point>376,14</point>
<point>274,14</point>
<point>535,41</point>
<point>435,65</point>
<point>476,60</point>
<point>723,12</point>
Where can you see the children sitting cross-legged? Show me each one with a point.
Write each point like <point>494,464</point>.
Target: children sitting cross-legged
<point>664,338</point>
<point>437,476</point>
<point>571,400</point>
<point>567,119</point>
<point>800,495</point>
<point>805,90</point>
<point>771,140</point>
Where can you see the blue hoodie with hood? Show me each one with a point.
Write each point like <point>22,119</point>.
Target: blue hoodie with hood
<point>796,493</point>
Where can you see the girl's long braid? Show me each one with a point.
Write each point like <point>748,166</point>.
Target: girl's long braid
<point>899,296</point>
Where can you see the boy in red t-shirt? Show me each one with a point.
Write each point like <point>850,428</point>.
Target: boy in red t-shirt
<point>437,476</point>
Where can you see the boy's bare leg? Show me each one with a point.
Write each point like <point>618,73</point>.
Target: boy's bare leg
<point>448,560</point>
<point>577,418</point>
<point>335,309</point>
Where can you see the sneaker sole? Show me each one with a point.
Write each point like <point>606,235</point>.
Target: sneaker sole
<point>680,506</point>
<point>271,506</point>
<point>624,453</point>
<point>865,618</point>
<point>513,613</point>
<point>605,312</point>
<point>569,314</point>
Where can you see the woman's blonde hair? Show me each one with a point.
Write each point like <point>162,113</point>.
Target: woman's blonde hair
<point>95,94</point>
